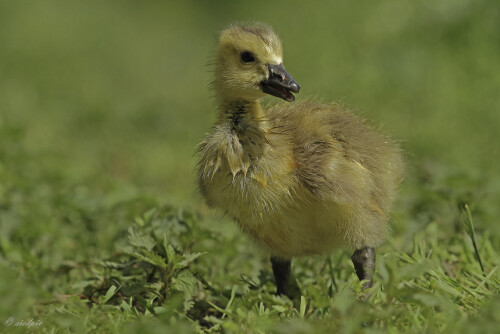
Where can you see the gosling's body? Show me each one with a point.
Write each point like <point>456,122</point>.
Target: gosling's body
<point>301,178</point>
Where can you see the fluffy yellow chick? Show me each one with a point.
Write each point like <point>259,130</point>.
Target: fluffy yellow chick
<point>301,178</point>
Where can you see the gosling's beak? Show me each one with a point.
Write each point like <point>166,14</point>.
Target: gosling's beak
<point>280,83</point>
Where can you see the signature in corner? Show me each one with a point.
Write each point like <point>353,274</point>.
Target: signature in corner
<point>22,323</point>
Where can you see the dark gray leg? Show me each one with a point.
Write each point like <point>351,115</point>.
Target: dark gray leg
<point>281,270</point>
<point>364,263</point>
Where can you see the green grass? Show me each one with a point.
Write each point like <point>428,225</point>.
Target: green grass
<point>102,105</point>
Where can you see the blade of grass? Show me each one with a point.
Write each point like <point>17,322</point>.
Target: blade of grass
<point>233,293</point>
<point>469,228</point>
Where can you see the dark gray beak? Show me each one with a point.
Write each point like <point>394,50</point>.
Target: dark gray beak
<point>280,83</point>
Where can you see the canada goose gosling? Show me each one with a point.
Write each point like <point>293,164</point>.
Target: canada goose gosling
<point>301,178</point>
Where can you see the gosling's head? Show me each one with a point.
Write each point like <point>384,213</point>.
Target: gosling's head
<point>249,64</point>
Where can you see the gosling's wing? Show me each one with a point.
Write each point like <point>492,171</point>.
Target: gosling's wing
<point>338,156</point>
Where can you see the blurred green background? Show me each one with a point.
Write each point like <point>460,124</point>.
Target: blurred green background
<point>122,87</point>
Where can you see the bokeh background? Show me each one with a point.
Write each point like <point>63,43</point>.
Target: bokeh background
<point>122,87</point>
<point>105,101</point>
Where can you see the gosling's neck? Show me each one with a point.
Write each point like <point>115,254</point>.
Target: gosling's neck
<point>242,115</point>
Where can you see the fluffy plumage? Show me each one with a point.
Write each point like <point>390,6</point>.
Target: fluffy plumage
<point>299,178</point>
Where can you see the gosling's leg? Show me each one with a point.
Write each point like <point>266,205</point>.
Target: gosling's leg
<point>364,263</point>
<point>281,270</point>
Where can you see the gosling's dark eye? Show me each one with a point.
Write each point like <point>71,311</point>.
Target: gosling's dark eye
<point>247,57</point>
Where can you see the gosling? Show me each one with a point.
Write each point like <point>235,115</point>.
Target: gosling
<point>299,179</point>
